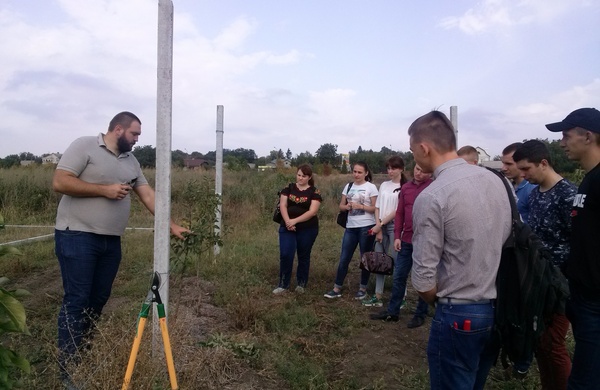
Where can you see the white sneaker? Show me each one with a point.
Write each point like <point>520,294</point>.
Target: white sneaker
<point>300,290</point>
<point>279,290</point>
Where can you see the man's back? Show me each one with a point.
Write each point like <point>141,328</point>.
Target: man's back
<point>462,218</point>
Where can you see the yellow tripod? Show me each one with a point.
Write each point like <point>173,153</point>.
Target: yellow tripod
<point>153,296</point>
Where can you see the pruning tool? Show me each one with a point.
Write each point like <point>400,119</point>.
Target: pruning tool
<point>153,296</point>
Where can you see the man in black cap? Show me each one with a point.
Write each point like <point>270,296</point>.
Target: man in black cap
<point>581,142</point>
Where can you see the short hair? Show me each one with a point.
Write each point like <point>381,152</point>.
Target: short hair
<point>466,150</point>
<point>124,119</point>
<point>511,148</point>
<point>363,164</point>
<point>581,131</point>
<point>307,170</point>
<point>469,154</point>
<point>436,128</point>
<point>533,151</point>
<point>395,162</point>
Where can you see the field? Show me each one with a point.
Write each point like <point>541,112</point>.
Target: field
<point>227,330</point>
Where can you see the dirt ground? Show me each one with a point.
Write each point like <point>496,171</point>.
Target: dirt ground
<point>380,351</point>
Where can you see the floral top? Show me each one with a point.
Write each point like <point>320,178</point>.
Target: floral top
<point>299,203</point>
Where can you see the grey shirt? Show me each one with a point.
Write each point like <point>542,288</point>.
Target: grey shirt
<point>90,160</point>
<point>460,223</point>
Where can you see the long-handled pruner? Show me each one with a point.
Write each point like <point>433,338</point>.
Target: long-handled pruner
<point>153,296</point>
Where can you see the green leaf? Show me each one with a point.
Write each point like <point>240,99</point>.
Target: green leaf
<point>12,313</point>
<point>22,363</point>
<point>20,293</point>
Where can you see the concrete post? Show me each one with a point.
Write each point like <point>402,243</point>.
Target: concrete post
<point>454,120</point>
<point>219,172</point>
<point>164,109</point>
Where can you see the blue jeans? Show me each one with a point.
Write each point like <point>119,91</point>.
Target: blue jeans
<point>354,237</point>
<point>290,242</point>
<point>402,269</point>
<point>461,359</point>
<point>585,320</point>
<point>88,265</point>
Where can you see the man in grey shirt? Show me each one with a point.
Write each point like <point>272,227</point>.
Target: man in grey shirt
<point>95,175</point>
<point>460,223</point>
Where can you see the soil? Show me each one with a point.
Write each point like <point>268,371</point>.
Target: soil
<point>380,351</point>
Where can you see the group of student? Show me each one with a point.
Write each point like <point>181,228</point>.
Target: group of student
<point>378,219</point>
<point>448,225</point>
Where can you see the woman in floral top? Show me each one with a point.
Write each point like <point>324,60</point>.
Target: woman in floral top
<point>299,228</point>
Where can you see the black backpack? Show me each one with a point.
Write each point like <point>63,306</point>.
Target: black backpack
<point>530,289</point>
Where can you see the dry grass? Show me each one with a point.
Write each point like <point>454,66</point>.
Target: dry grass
<point>227,330</point>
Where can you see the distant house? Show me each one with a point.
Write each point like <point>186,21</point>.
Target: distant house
<point>195,163</point>
<point>24,163</point>
<point>51,158</point>
<point>483,155</point>
<point>273,165</point>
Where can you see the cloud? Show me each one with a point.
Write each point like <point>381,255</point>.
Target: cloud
<point>498,15</point>
<point>235,34</point>
<point>493,130</point>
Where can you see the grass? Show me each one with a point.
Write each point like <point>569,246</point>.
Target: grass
<point>227,330</point>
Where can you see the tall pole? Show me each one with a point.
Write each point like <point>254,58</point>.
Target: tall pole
<point>454,120</point>
<point>164,110</point>
<point>219,173</point>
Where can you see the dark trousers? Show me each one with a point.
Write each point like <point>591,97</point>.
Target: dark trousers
<point>88,265</point>
<point>290,242</point>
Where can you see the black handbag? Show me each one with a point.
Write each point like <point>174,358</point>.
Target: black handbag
<point>277,213</point>
<point>342,217</point>
<point>377,263</point>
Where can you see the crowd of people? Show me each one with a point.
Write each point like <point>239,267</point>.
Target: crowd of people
<point>448,225</point>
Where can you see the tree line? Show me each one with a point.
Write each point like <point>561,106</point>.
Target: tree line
<point>324,159</point>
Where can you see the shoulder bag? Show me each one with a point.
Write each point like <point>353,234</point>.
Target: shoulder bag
<point>277,213</point>
<point>342,217</point>
<point>377,262</point>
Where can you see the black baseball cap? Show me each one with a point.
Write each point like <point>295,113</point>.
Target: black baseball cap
<point>586,118</point>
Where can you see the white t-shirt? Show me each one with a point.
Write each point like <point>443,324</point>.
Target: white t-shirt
<point>360,194</point>
<point>387,201</point>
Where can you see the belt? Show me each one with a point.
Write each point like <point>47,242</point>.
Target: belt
<point>458,301</point>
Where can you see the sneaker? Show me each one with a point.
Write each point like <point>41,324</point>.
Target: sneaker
<point>384,316</point>
<point>300,290</point>
<point>360,295</point>
<point>279,290</point>
<point>372,302</point>
<point>333,294</point>
<point>403,304</point>
<point>415,322</point>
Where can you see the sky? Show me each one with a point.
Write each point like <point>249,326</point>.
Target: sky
<point>296,74</point>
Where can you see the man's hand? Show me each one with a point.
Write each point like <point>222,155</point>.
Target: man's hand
<point>117,191</point>
<point>178,231</point>
<point>397,244</point>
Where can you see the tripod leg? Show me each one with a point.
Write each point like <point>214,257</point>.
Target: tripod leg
<point>136,345</point>
<point>167,344</point>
